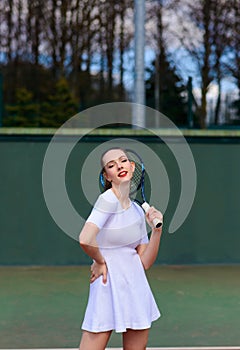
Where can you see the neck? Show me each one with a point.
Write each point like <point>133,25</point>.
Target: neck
<point>122,193</point>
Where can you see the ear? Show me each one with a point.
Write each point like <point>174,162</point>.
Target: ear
<point>105,176</point>
<point>132,166</point>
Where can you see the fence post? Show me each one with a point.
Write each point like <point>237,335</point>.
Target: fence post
<point>1,99</point>
<point>190,103</point>
<point>138,117</point>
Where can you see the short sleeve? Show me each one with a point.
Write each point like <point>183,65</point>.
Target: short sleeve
<point>104,207</point>
<point>144,240</point>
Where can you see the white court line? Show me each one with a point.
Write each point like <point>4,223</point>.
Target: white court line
<point>161,348</point>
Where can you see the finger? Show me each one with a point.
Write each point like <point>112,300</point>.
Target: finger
<point>93,278</point>
<point>104,277</point>
<point>154,213</point>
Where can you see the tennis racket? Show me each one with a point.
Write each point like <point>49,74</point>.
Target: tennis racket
<point>137,183</point>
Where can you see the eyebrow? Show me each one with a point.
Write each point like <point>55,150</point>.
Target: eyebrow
<point>113,160</point>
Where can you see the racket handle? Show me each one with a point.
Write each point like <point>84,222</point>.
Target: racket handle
<point>156,222</point>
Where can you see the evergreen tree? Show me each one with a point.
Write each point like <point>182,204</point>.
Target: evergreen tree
<point>165,91</point>
<point>24,112</point>
<point>60,106</point>
<point>236,107</point>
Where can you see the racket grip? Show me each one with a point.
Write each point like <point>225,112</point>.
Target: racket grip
<point>156,222</point>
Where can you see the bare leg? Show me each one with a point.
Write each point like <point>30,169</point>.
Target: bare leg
<point>135,339</point>
<point>96,341</point>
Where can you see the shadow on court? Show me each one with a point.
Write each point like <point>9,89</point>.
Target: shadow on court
<point>43,307</point>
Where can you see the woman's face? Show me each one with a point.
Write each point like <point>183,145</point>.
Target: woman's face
<point>117,167</point>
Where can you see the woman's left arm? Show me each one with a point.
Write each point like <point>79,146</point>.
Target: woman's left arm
<point>148,252</point>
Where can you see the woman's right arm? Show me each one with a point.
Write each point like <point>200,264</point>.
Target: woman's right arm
<point>88,242</point>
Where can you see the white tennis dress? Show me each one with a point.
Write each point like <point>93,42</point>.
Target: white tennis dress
<point>126,300</point>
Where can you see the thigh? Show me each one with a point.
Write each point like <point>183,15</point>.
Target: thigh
<point>96,341</point>
<point>135,339</point>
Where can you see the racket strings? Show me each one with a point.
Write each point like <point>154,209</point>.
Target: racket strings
<point>136,179</point>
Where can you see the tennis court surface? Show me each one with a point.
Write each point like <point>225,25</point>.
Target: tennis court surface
<point>171,348</point>
<point>43,307</point>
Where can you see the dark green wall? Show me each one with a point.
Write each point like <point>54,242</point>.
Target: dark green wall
<point>210,234</point>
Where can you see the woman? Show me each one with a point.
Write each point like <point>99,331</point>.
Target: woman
<point>115,237</point>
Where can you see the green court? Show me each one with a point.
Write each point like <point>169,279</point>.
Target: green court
<point>42,307</point>
<point>44,275</point>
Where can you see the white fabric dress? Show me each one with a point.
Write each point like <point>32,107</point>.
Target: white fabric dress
<point>126,300</point>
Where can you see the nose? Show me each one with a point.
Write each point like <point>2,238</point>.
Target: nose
<point>119,165</point>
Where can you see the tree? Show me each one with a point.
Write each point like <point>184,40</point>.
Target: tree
<point>164,87</point>
<point>123,43</point>
<point>87,43</point>
<point>34,22</point>
<point>232,59</point>
<point>24,112</point>
<point>220,36</point>
<point>59,107</point>
<point>43,41</point>
<point>199,13</point>
<point>201,32</point>
<point>171,92</point>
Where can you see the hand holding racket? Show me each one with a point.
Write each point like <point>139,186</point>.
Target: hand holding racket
<point>157,223</point>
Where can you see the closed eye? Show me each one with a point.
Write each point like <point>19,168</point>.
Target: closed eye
<point>110,166</point>
<point>113,163</point>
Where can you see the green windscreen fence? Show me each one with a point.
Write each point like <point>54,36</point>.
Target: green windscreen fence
<point>30,236</point>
